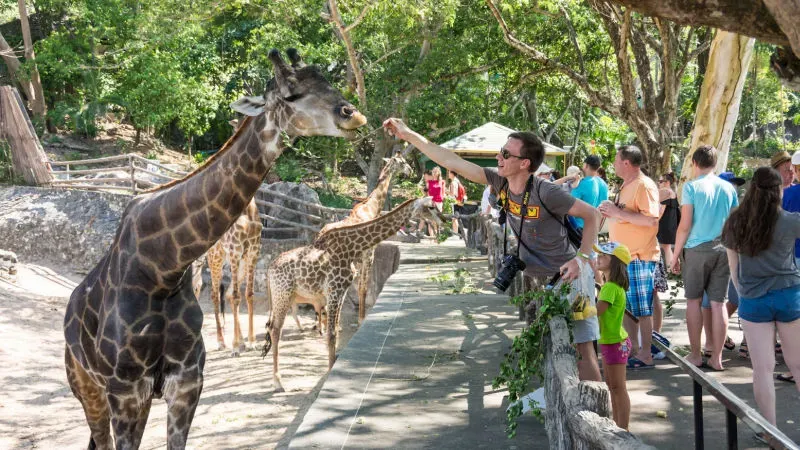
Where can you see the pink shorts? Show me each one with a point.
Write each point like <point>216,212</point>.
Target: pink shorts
<point>616,353</point>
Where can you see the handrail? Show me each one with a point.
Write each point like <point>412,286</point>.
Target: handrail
<point>302,202</point>
<point>293,211</point>
<point>89,161</point>
<point>734,405</point>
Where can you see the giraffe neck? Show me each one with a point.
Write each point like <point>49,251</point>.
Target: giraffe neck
<point>363,236</point>
<point>198,211</point>
<point>377,198</point>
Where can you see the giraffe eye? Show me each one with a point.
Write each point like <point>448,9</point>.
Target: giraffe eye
<point>293,97</point>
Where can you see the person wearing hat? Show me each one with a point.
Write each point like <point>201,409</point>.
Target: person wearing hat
<point>571,180</point>
<point>706,203</point>
<point>615,345</point>
<point>782,162</point>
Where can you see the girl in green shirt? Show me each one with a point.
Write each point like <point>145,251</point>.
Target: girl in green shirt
<point>615,346</point>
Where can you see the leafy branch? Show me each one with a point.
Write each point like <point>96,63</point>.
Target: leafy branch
<point>526,356</point>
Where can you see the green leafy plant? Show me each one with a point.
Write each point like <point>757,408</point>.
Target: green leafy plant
<point>199,157</point>
<point>447,205</point>
<point>525,360</point>
<point>334,200</point>
<point>674,289</point>
<point>456,282</point>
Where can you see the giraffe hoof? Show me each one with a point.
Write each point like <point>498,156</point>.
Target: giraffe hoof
<point>235,353</point>
<point>279,389</point>
<point>221,346</point>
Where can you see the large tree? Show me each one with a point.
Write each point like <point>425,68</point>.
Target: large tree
<point>650,58</point>
<point>25,73</point>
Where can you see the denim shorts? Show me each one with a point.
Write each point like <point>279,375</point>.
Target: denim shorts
<point>733,296</point>
<point>780,305</point>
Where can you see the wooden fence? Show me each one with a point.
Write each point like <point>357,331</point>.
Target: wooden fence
<point>132,174</point>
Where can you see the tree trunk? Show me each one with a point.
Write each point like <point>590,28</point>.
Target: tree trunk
<point>718,107</point>
<point>37,101</point>
<point>27,156</point>
<point>13,64</point>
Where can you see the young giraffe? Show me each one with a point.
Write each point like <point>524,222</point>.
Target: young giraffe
<point>367,210</point>
<point>241,245</point>
<point>133,325</point>
<point>322,272</point>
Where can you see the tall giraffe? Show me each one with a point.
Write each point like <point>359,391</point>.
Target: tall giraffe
<point>367,210</point>
<point>133,325</point>
<point>322,272</point>
<point>241,246</point>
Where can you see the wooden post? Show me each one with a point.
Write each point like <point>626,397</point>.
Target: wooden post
<point>577,411</point>
<point>133,175</point>
<point>27,154</point>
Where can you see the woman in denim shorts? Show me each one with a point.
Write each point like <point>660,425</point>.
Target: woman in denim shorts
<point>760,236</point>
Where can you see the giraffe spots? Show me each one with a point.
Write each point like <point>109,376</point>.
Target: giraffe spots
<point>90,322</point>
<point>201,225</point>
<point>173,209</point>
<point>184,235</point>
<point>193,317</point>
<point>72,328</point>
<point>193,199</point>
<point>191,252</point>
<point>127,368</point>
<point>109,352</point>
<point>149,225</point>
<point>132,305</point>
<point>141,274</point>
<point>160,250</point>
<point>179,341</point>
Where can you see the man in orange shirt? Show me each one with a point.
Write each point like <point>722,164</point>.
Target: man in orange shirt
<point>634,223</point>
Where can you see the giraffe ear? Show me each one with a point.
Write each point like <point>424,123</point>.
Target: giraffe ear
<point>249,106</point>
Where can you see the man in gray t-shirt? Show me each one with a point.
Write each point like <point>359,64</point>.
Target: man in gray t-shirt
<point>549,250</point>
<point>545,242</point>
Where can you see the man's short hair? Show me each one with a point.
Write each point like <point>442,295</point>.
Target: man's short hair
<point>705,156</point>
<point>532,148</point>
<point>632,154</point>
<point>593,161</point>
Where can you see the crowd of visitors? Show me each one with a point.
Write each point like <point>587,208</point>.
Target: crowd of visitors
<point>730,257</point>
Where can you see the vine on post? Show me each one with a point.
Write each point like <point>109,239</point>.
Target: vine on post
<point>526,356</point>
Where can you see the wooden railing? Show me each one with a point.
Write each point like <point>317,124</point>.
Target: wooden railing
<point>130,164</point>
<point>308,218</point>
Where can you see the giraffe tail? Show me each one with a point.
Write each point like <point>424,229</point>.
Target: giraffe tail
<point>267,344</point>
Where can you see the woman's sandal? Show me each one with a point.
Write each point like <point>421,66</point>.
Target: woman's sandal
<point>786,378</point>
<point>743,352</point>
<point>729,344</point>
<point>707,353</point>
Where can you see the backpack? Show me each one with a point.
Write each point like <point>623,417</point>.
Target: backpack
<point>461,194</point>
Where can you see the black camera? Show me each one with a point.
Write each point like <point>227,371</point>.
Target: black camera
<point>508,270</point>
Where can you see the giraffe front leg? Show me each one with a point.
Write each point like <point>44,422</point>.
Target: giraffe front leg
<point>129,411</point>
<point>215,267</point>
<point>94,403</point>
<point>182,396</point>
<point>280,308</point>
<point>334,305</point>
<point>238,344</point>
<point>250,295</point>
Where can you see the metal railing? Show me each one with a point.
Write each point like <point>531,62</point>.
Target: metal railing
<point>735,408</point>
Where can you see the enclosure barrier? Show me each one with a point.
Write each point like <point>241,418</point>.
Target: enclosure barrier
<point>577,413</point>
<point>734,407</point>
<point>130,183</point>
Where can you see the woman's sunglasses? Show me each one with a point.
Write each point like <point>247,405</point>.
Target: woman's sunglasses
<point>507,154</point>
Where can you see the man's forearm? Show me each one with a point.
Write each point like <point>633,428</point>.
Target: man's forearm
<point>448,159</point>
<point>590,228</point>
<point>681,236</point>
<point>638,218</point>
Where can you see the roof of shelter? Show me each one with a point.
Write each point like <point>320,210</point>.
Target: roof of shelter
<point>486,141</point>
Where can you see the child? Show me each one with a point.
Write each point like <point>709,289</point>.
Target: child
<point>615,346</point>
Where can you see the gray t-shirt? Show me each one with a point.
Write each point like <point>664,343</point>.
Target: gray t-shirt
<point>773,268</point>
<point>542,233</point>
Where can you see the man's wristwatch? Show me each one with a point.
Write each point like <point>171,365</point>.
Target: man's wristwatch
<point>584,256</point>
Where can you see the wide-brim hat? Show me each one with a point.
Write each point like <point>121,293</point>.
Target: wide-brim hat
<point>615,249</point>
<point>779,158</point>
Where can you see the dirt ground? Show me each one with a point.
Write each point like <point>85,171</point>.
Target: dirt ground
<point>237,410</point>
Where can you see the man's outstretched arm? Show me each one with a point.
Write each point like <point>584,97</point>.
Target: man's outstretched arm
<point>439,155</point>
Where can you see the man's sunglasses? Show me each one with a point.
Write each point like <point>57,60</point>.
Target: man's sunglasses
<point>507,154</point>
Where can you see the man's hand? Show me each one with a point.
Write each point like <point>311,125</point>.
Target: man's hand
<point>396,127</point>
<point>609,209</point>
<point>572,269</point>
<point>675,264</point>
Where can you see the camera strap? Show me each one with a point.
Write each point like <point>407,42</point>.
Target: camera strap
<point>522,214</point>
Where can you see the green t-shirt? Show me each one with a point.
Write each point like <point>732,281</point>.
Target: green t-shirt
<point>611,331</point>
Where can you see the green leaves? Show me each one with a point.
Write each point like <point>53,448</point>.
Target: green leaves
<point>525,360</point>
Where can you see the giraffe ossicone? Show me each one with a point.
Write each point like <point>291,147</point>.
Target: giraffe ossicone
<point>133,326</point>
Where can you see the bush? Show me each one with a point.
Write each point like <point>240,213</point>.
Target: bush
<point>334,200</point>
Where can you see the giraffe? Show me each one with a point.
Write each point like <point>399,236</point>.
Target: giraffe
<point>241,245</point>
<point>322,272</point>
<point>367,210</point>
<point>133,325</point>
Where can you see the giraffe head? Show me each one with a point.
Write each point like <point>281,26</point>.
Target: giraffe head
<point>424,208</point>
<point>300,101</point>
<point>395,164</point>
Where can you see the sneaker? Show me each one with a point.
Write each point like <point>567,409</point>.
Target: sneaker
<point>657,354</point>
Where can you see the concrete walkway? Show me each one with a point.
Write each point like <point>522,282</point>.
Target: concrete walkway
<point>418,373</point>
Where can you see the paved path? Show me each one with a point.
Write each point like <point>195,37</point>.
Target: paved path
<point>418,374</point>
